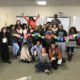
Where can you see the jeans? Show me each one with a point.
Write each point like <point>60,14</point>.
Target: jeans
<point>15,48</point>
<point>62,46</point>
<point>43,66</point>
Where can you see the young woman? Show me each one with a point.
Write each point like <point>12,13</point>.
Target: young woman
<point>54,28</point>
<point>19,30</point>
<point>5,43</point>
<point>14,40</point>
<point>25,55</point>
<point>71,44</point>
<point>42,32</point>
<point>18,22</point>
<point>31,21</point>
<point>43,64</point>
<point>37,48</point>
<point>25,31</point>
<point>36,37</point>
<point>48,37</point>
<point>55,56</point>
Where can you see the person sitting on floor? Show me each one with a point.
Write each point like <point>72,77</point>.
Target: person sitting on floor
<point>55,56</point>
<point>36,48</point>
<point>25,55</point>
<point>43,64</point>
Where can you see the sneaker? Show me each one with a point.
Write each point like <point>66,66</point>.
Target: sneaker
<point>46,71</point>
<point>37,70</point>
<point>63,60</point>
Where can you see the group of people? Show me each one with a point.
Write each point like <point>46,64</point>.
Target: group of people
<point>49,52</point>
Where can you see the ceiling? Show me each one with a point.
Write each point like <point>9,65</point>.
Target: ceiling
<point>14,3</point>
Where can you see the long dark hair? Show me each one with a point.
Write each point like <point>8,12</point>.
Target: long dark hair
<point>31,18</point>
<point>2,29</point>
<point>23,26</point>
<point>75,31</point>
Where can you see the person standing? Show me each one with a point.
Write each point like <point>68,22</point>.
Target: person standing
<point>61,33</point>
<point>56,20</point>
<point>5,43</point>
<point>71,44</point>
<point>31,21</point>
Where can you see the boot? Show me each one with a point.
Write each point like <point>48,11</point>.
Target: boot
<point>63,60</point>
<point>68,57</point>
<point>71,56</point>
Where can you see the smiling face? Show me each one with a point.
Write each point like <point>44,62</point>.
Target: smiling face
<point>43,50</point>
<point>53,46</point>
<point>54,26</point>
<point>44,26</point>
<point>72,30</point>
<point>4,30</point>
<point>25,45</point>
<point>13,28</point>
<point>55,16</point>
<point>50,27</point>
<point>19,27</point>
<point>38,43</point>
<point>60,26</point>
<point>18,22</point>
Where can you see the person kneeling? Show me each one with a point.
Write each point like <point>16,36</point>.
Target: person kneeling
<point>25,55</point>
<point>43,64</point>
<point>55,56</point>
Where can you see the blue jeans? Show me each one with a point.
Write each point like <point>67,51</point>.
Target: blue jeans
<point>62,46</point>
<point>43,66</point>
<point>15,48</point>
<point>30,44</point>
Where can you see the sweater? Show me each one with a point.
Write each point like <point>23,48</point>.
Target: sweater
<point>25,54</point>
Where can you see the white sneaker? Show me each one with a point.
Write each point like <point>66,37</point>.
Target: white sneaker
<point>46,71</point>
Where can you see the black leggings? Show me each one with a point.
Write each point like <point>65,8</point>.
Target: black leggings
<point>70,49</point>
<point>54,64</point>
<point>5,53</point>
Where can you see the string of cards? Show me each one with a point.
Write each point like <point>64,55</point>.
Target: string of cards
<point>47,36</point>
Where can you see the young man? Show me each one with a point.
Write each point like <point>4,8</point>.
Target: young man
<point>36,49</point>
<point>56,20</point>
<point>61,33</point>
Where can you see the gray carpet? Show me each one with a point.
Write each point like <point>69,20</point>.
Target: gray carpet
<point>67,71</point>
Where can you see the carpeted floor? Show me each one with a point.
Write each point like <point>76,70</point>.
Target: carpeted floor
<point>67,71</point>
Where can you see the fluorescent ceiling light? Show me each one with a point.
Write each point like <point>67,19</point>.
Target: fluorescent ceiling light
<point>41,2</point>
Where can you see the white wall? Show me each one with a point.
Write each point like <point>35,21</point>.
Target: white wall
<point>8,14</point>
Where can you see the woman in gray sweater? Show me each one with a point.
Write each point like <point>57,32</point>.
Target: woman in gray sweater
<point>43,64</point>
